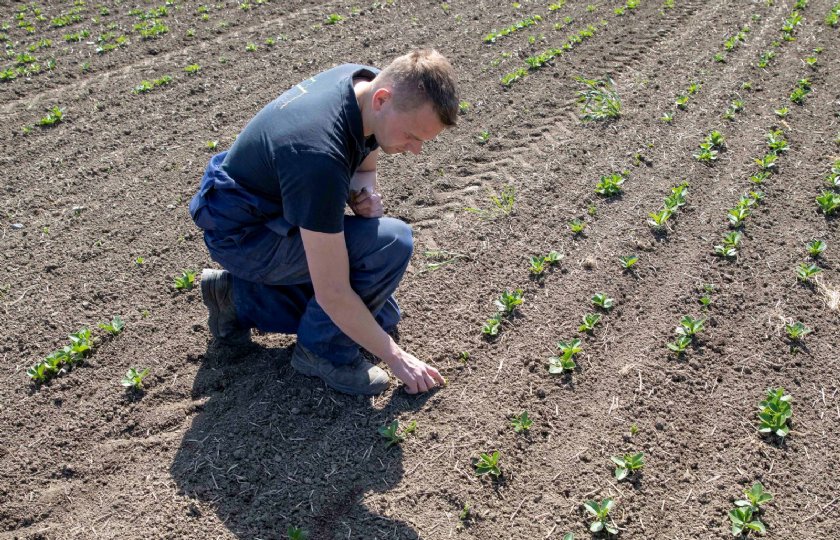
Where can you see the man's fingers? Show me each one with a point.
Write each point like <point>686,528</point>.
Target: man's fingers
<point>436,375</point>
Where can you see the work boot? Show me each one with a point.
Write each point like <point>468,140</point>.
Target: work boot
<point>217,294</point>
<point>358,377</point>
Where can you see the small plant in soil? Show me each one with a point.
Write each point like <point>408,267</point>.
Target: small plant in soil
<point>483,137</point>
<point>295,533</point>
<point>716,139</point>
<point>729,247</point>
<point>599,98</point>
<point>537,267</point>
<point>828,202</point>
<point>775,412</point>
<point>681,102</point>
<point>759,177</point>
<point>667,117</point>
<point>211,145</point>
<point>492,325</point>
<point>464,107</point>
<point>566,360</point>
<point>602,301</point>
<point>628,262</point>
<point>192,69</point>
<point>521,423</point>
<point>114,327</point>
<point>134,378</point>
<point>628,464</point>
<point>806,272</point>
<point>186,281</point>
<point>754,498</point>
<point>577,226</point>
<point>503,204</point>
<point>690,327</point>
<point>781,112</point>
<point>737,215</point>
<point>816,248</point>
<point>680,344</point>
<point>776,142</point>
<point>391,432</point>
<point>706,154</point>
<point>803,88</point>
<point>53,117</point>
<point>590,320</point>
<point>509,300</point>
<point>743,522</point>
<point>488,464</point>
<point>659,220</point>
<point>610,185</point>
<point>600,511</point>
<point>676,199</point>
<point>333,18</point>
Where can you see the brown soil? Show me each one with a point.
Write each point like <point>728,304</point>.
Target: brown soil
<point>223,445</point>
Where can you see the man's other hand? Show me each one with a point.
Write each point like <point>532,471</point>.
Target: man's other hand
<point>367,204</point>
<point>417,375</point>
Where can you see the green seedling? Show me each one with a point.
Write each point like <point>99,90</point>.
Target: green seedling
<point>577,226</point>
<point>510,78</point>
<point>565,362</point>
<point>628,464</point>
<point>729,247</point>
<point>392,435</point>
<point>602,301</point>
<point>775,412</point>
<point>186,281</point>
<point>680,344</point>
<point>114,327</point>
<point>816,248</point>
<point>801,91</point>
<point>600,100</point>
<point>610,185</point>
<point>828,202</point>
<point>492,326</point>
<point>521,423</point>
<point>503,204</point>
<point>797,331</point>
<point>139,261</point>
<point>53,117</point>
<point>601,513</point>
<point>676,199</point>
<point>743,522</point>
<point>681,102</point>
<point>667,117</point>
<point>755,497</point>
<point>251,47</point>
<point>760,177</point>
<point>658,220</point>
<point>811,62</point>
<point>737,215</point>
<point>706,299</point>
<point>781,112</point>
<point>716,139</point>
<point>80,346</point>
<point>519,25</point>
<point>693,88</point>
<point>628,262</point>
<point>488,464</point>
<point>464,107</point>
<point>765,58</point>
<point>192,69</point>
<point>39,372</point>
<point>707,153</point>
<point>333,18</point>
<point>719,57</point>
<point>689,326</point>
<point>134,378</point>
<point>553,257</point>
<point>483,137</point>
<point>806,272</point>
<point>509,300</point>
<point>295,533</point>
<point>211,145</point>
<point>590,320</point>
<point>538,266</point>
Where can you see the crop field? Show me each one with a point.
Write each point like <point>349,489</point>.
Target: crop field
<point>626,265</point>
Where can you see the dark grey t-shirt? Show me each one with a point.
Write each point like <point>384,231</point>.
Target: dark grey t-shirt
<point>302,149</point>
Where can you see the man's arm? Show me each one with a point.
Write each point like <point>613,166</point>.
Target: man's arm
<point>366,202</point>
<point>326,255</point>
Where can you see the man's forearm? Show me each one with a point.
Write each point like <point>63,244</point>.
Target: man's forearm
<point>352,317</point>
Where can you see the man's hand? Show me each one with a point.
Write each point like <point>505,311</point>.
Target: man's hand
<point>416,374</point>
<point>366,204</point>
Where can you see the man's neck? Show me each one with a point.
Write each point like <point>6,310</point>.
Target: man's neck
<point>363,89</point>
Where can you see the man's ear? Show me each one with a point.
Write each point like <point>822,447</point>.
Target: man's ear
<point>380,98</point>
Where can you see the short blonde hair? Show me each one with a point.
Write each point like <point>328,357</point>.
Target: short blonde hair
<point>419,77</point>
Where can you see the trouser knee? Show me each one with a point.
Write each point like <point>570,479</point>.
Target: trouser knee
<point>400,241</point>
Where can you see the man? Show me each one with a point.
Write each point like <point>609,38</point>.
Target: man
<point>272,210</point>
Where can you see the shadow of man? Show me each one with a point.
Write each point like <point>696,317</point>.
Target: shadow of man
<point>272,449</point>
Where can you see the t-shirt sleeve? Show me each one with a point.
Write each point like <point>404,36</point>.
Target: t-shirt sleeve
<point>315,190</point>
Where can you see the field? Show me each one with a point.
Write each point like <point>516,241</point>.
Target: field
<point>110,112</point>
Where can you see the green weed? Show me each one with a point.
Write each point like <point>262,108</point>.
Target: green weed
<point>134,378</point>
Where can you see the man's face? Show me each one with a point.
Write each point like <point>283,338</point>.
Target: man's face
<point>398,132</point>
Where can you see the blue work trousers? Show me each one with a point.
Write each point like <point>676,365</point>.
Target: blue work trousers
<point>272,288</point>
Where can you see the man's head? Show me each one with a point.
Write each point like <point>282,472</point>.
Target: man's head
<point>413,100</point>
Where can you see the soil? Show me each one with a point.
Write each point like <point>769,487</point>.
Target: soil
<point>235,444</point>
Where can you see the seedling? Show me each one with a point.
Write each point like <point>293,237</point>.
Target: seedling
<point>681,102</point>
<point>610,185</point>
<point>716,139</point>
<point>464,107</point>
<point>491,327</point>
<point>737,215</point>
<point>134,378</point>
<point>658,220</point>
<point>211,145</point>
<point>521,423</point>
<point>553,257</point>
<point>755,497</point>
<point>667,117</point>
<point>590,320</point>
<point>806,272</point>
<point>577,226</point>
<point>680,344</point>
<point>538,266</point>
<point>602,301</point>
<point>503,204</point>
<point>192,69</point>
<point>391,432</point>
<point>114,327</point>
<point>689,326</point>
<point>781,112</point>
<point>797,331</point>
<point>676,199</point>
<point>729,247</point>
<point>628,262</point>
<point>765,58</point>
<point>628,464</point>
<point>706,299</point>
<point>828,202</point>
<point>295,533</point>
<point>774,413</point>
<point>509,300</point>
<point>483,137</point>
<point>600,100</point>
<point>333,18</point>
<point>743,522</point>
<point>186,281</point>
<point>816,248</point>
<point>488,464</point>
<point>707,153</point>
<point>759,177</point>
<point>601,513</point>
